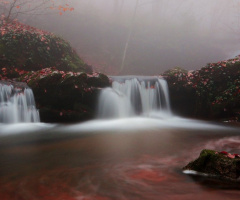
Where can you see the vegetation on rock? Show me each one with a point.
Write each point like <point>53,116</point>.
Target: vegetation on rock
<point>28,48</point>
<point>222,164</point>
<point>211,92</point>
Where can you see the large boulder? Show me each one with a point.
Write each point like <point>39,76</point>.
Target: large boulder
<point>218,164</point>
<point>65,96</point>
<point>61,96</point>
<point>213,92</point>
<point>182,94</point>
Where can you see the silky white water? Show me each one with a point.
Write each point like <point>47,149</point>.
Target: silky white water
<point>132,96</point>
<point>17,105</point>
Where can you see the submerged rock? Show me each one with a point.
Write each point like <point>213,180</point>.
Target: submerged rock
<point>219,164</point>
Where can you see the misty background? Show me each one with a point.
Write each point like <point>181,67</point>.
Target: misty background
<point>164,33</point>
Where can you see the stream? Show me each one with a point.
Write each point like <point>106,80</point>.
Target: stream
<point>123,159</point>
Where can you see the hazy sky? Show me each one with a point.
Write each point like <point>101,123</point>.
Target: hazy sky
<point>165,33</point>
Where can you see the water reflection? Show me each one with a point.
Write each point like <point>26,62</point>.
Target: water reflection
<point>133,159</point>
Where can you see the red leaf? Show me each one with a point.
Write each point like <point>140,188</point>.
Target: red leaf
<point>236,155</point>
<point>231,156</point>
<point>224,152</point>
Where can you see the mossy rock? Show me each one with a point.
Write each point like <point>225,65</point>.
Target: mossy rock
<point>175,70</point>
<point>65,97</point>
<point>75,80</point>
<point>213,92</point>
<point>28,48</point>
<point>50,80</point>
<point>100,81</point>
<point>216,164</point>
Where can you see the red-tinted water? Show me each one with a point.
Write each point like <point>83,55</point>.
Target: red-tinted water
<point>128,166</point>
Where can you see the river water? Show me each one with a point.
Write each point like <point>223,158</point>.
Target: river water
<point>134,151</point>
<point>123,159</point>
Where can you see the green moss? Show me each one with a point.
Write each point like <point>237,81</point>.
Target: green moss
<point>214,163</point>
<point>207,152</point>
<point>174,71</point>
<point>32,51</point>
<point>100,81</point>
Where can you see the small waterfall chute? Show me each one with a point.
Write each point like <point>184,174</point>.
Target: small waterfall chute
<point>17,105</point>
<point>114,103</point>
<point>131,96</point>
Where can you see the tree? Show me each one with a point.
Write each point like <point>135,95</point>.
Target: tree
<point>129,36</point>
<point>11,9</point>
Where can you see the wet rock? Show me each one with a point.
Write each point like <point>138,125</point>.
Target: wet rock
<point>212,92</point>
<point>19,85</point>
<point>65,96</point>
<point>182,95</point>
<point>100,81</point>
<point>219,164</point>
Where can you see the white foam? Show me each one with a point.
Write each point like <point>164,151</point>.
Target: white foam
<point>23,128</point>
<point>140,124</point>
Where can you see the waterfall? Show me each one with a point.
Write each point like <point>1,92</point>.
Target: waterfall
<point>17,105</point>
<point>132,96</point>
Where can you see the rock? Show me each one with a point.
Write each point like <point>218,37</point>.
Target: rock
<point>19,85</point>
<point>65,96</point>
<point>182,95</point>
<point>212,92</point>
<point>219,164</point>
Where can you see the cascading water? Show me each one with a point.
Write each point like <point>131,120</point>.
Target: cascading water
<point>17,105</point>
<point>131,96</point>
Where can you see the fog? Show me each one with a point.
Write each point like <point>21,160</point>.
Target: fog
<point>161,35</point>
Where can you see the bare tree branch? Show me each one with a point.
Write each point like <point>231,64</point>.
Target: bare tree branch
<point>11,9</point>
<point>129,36</point>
